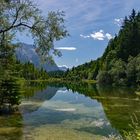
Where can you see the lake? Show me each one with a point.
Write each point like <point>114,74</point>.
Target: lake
<point>71,112</point>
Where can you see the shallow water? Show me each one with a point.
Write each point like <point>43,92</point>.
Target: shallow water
<point>77,113</point>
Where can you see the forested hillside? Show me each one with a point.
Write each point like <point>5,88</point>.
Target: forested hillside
<point>120,63</point>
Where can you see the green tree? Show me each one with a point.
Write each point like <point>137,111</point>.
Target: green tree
<point>9,89</point>
<point>128,38</point>
<point>104,78</point>
<point>133,70</point>
<point>118,72</point>
<point>24,16</point>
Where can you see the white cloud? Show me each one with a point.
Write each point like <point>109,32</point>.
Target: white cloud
<point>74,9</point>
<point>84,36</point>
<point>66,48</point>
<point>118,21</point>
<point>108,36</point>
<point>66,109</point>
<point>100,35</point>
<point>62,91</point>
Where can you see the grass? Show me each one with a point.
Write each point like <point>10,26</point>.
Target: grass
<point>89,81</point>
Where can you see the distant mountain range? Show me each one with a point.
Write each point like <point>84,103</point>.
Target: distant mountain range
<point>27,53</point>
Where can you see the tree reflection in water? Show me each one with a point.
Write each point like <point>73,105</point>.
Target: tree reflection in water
<point>119,103</point>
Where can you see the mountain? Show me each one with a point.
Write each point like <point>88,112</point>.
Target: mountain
<point>27,53</point>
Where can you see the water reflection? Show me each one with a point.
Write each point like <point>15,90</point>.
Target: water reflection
<point>72,112</point>
<point>119,106</point>
<point>9,96</point>
<point>67,111</point>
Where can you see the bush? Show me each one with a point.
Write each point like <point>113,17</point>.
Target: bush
<point>104,78</point>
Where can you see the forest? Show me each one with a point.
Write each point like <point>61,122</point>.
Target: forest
<point>119,64</point>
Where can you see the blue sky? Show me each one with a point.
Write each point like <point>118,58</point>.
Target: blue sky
<point>91,23</point>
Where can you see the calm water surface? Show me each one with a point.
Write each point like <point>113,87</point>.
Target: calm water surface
<point>71,112</point>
